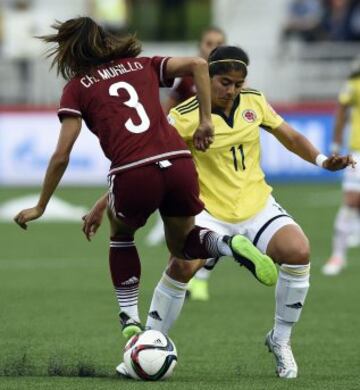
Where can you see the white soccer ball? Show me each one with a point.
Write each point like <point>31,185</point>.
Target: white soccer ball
<point>150,355</point>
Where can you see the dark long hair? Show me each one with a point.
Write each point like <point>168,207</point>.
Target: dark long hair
<point>224,59</point>
<point>81,44</point>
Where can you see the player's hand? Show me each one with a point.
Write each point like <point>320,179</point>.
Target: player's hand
<point>92,221</point>
<point>203,136</point>
<point>336,162</point>
<point>27,215</point>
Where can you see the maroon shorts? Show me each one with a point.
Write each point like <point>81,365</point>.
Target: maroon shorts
<point>136,193</point>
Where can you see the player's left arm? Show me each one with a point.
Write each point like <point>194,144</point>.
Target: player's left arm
<point>70,130</point>
<point>197,68</point>
<point>341,117</point>
<point>300,145</point>
<point>347,98</point>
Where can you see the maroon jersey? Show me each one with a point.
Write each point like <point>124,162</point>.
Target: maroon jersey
<point>119,102</point>
<point>183,89</point>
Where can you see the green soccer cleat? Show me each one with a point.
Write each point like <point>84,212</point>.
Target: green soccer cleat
<point>129,326</point>
<point>246,254</point>
<point>198,289</point>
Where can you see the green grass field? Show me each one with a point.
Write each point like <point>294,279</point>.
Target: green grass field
<point>58,314</point>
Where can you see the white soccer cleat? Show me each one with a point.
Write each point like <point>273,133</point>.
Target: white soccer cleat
<point>333,266</point>
<point>286,366</point>
<point>122,370</point>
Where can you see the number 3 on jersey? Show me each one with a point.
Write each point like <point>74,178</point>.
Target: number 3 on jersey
<point>134,103</point>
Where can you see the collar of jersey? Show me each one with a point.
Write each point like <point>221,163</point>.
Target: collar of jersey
<point>228,119</point>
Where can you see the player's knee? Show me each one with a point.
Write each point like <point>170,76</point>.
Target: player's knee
<point>296,252</point>
<point>300,253</point>
<point>183,270</point>
<point>303,255</point>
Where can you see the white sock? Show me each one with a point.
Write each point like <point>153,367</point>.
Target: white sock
<point>291,290</point>
<point>128,301</point>
<point>203,274</point>
<point>166,304</point>
<point>345,220</point>
<point>355,230</point>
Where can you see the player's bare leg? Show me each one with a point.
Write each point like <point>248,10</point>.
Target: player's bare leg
<point>290,248</point>
<point>347,217</point>
<point>125,269</point>
<point>186,241</point>
<point>169,294</point>
<point>200,243</point>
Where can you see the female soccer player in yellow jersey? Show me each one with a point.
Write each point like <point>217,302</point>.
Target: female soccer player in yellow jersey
<point>348,217</point>
<point>238,199</point>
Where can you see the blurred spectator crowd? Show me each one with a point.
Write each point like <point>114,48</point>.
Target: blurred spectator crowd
<point>323,20</point>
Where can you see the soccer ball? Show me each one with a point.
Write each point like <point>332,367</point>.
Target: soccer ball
<point>150,355</point>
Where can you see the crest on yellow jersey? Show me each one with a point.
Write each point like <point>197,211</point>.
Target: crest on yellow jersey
<point>249,115</point>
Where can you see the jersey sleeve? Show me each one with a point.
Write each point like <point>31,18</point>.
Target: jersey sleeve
<point>347,94</point>
<point>69,102</point>
<point>182,123</point>
<point>271,119</point>
<point>159,65</point>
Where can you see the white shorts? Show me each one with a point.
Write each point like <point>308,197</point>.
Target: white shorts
<point>259,229</point>
<point>351,180</point>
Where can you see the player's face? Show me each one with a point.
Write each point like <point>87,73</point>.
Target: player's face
<point>209,42</point>
<point>225,88</point>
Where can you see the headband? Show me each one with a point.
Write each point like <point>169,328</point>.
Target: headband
<point>228,60</point>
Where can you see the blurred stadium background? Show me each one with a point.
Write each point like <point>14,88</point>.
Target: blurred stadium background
<point>299,56</point>
<point>57,312</point>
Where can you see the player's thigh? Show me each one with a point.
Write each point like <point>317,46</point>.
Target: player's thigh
<point>135,194</point>
<point>181,197</point>
<point>180,203</point>
<point>206,220</point>
<point>275,233</point>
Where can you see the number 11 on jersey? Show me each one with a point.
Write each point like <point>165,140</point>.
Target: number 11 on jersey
<point>233,150</point>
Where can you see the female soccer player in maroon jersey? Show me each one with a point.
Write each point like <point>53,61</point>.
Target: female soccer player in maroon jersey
<point>116,93</point>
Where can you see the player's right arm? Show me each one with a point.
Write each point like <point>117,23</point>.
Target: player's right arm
<point>58,163</point>
<point>297,143</point>
<point>198,69</point>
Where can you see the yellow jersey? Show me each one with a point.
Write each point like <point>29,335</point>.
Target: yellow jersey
<point>350,96</point>
<point>232,183</point>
